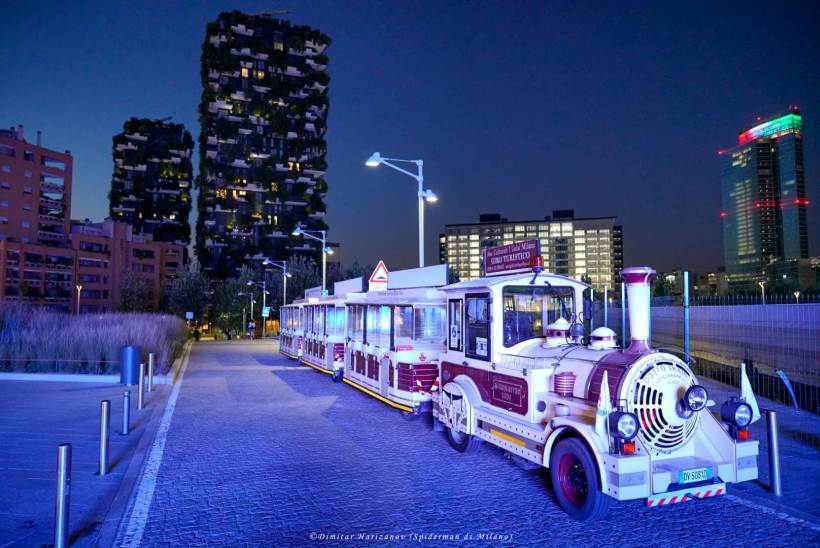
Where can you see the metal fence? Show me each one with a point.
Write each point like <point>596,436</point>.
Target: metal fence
<point>780,343</point>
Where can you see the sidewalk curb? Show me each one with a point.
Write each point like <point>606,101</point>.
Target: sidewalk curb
<point>110,529</point>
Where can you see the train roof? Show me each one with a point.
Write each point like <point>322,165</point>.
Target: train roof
<point>492,281</point>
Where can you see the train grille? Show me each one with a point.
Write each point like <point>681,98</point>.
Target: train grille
<point>654,398</point>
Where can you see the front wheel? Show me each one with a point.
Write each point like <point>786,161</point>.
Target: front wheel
<point>461,442</point>
<point>575,481</point>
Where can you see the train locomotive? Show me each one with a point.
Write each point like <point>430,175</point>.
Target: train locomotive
<point>515,368</point>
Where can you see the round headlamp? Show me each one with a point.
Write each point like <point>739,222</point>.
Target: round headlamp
<point>623,425</point>
<point>696,397</point>
<point>737,413</point>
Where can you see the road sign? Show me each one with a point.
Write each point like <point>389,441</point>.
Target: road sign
<point>378,280</point>
<point>189,315</point>
<point>265,311</point>
<point>325,293</point>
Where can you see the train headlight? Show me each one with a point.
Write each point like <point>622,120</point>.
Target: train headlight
<point>623,425</point>
<point>736,413</point>
<point>696,397</point>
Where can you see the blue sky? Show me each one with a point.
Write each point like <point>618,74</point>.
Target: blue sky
<point>516,107</point>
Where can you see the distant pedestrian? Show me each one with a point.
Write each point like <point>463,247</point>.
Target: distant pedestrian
<point>232,333</point>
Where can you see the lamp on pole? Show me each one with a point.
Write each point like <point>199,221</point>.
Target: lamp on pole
<point>250,296</point>
<point>79,291</point>
<point>283,266</point>
<point>322,237</point>
<point>376,160</point>
<point>251,283</point>
<point>762,290</point>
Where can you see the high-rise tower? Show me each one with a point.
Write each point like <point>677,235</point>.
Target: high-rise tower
<point>764,198</point>
<point>262,150</point>
<point>151,185</point>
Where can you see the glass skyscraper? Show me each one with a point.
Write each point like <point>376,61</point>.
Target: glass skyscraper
<point>764,199</point>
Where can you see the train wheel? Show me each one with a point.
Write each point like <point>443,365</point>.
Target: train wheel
<point>575,481</point>
<point>461,442</point>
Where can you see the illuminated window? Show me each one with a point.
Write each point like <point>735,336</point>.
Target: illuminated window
<point>279,46</point>
<point>260,74</point>
<point>274,187</point>
<point>244,72</point>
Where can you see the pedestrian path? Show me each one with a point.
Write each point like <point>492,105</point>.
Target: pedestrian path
<point>35,417</point>
<point>261,452</point>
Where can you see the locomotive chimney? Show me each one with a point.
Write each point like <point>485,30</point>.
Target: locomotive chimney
<point>638,281</point>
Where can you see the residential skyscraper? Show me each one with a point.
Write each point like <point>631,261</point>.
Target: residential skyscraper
<point>262,149</point>
<point>575,247</point>
<point>764,199</point>
<point>151,185</point>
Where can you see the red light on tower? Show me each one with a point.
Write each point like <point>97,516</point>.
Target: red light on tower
<point>723,214</point>
<point>757,205</point>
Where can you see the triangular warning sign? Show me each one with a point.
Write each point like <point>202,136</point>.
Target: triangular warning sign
<point>379,274</point>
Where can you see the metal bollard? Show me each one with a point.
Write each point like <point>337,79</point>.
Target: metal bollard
<point>774,452</point>
<point>126,412</point>
<point>141,388</point>
<point>151,372</point>
<point>62,503</point>
<point>105,419</point>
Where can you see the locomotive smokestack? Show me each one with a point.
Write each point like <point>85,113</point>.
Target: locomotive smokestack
<point>638,281</point>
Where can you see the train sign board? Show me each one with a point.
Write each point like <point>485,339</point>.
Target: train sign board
<point>505,258</point>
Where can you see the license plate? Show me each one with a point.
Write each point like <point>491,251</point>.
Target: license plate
<point>694,475</point>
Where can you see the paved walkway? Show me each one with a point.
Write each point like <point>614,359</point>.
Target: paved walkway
<point>35,417</point>
<point>263,452</point>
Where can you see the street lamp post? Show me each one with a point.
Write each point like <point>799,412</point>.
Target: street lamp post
<point>376,160</point>
<point>264,301</point>
<point>283,266</point>
<point>79,291</point>
<point>250,296</point>
<point>762,290</point>
<point>299,231</point>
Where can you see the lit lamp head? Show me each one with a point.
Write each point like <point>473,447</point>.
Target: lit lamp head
<point>297,231</point>
<point>288,275</point>
<point>328,251</point>
<point>430,196</point>
<point>374,160</point>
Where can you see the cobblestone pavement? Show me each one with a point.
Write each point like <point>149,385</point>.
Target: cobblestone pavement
<point>264,452</point>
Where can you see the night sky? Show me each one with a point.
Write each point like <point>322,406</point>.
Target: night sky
<point>516,107</point>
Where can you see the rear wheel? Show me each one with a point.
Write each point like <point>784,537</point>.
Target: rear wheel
<point>461,442</point>
<point>575,481</point>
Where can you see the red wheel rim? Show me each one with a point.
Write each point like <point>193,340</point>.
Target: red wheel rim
<point>572,479</point>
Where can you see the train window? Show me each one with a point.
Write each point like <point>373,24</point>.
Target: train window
<point>429,324</point>
<point>319,320</point>
<point>378,325</point>
<point>454,341</point>
<point>477,329</point>
<point>355,324</point>
<point>403,322</point>
<point>529,309</point>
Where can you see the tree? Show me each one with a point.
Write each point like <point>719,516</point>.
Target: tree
<point>227,301</point>
<point>135,293</point>
<point>187,293</point>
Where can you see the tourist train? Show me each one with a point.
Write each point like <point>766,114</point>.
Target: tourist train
<point>506,359</point>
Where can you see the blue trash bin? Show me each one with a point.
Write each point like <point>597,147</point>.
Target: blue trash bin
<point>129,365</point>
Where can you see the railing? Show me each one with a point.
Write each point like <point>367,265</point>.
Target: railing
<point>36,364</point>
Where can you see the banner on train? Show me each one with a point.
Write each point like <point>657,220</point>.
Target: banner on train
<point>515,256</point>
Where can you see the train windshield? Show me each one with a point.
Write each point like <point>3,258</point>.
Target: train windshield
<point>422,324</point>
<point>528,310</point>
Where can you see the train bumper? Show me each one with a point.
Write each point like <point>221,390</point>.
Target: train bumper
<point>682,495</point>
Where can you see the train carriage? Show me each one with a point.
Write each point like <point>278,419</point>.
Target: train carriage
<point>609,423</point>
<point>291,330</point>
<point>324,334</point>
<point>394,338</point>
